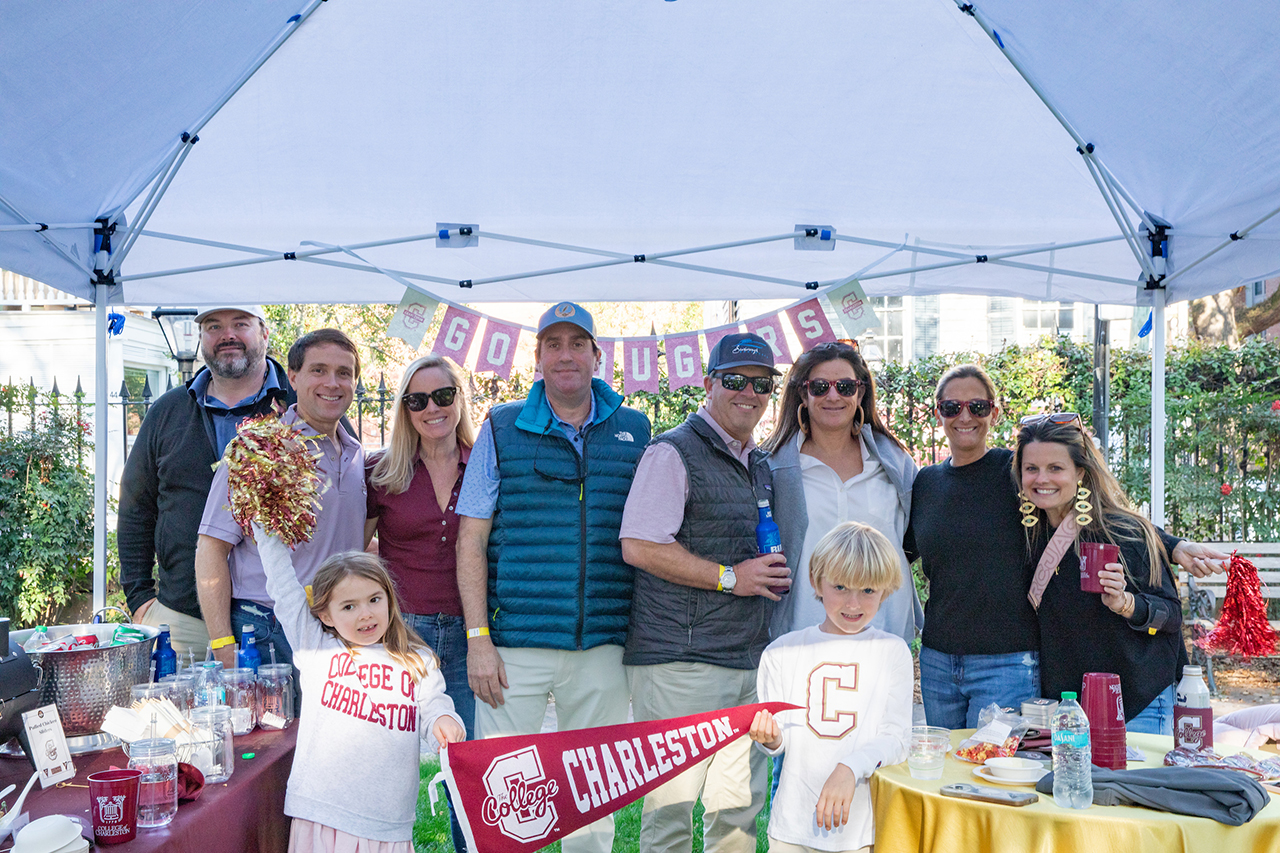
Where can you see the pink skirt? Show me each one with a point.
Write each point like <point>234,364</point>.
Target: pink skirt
<point>308,837</point>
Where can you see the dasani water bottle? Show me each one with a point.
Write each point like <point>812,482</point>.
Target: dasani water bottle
<point>1072,777</point>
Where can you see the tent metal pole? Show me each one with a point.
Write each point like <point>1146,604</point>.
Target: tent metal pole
<point>1118,215</point>
<point>1238,235</point>
<point>1157,406</point>
<point>954,253</point>
<point>1123,193</point>
<point>1085,148</point>
<point>43,236</point>
<point>153,201</point>
<point>1059,270</point>
<point>46,226</point>
<point>100,448</point>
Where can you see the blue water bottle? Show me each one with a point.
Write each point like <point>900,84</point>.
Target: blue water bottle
<point>768,538</point>
<point>248,657</point>
<point>164,657</point>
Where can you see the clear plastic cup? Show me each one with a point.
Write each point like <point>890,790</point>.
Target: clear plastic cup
<point>241,687</point>
<point>928,751</point>
<point>215,757</point>
<point>275,695</point>
<point>158,787</point>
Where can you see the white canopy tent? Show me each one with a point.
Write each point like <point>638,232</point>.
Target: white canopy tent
<point>638,150</point>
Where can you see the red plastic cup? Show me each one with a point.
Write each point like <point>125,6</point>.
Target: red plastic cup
<point>1094,557</point>
<point>1102,702</point>
<point>113,803</point>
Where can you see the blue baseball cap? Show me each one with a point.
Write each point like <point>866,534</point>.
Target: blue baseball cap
<point>739,350</point>
<point>567,312</point>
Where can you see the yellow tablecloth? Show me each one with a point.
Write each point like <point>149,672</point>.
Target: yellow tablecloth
<point>912,817</point>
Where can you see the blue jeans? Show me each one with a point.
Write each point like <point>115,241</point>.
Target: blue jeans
<point>957,687</point>
<point>1156,718</point>
<point>266,628</point>
<point>447,637</point>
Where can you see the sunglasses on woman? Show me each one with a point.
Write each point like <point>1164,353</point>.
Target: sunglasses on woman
<point>844,387</point>
<point>1058,418</point>
<point>977,408</point>
<point>417,401</point>
<point>736,382</point>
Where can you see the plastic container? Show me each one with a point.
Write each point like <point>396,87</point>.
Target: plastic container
<point>181,690</point>
<point>209,684</point>
<point>241,688</point>
<point>218,762</point>
<point>1072,776</point>
<point>158,787</point>
<point>1192,714</point>
<point>275,695</point>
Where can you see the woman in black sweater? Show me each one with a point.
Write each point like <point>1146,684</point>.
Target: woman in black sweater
<point>1133,628</point>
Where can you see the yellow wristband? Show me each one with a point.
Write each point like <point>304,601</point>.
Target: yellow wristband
<point>720,580</point>
<point>472,633</point>
<point>221,641</point>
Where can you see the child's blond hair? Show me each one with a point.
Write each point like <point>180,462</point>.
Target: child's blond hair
<point>401,642</point>
<point>856,556</point>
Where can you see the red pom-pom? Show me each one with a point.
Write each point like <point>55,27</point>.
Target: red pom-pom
<point>1275,405</point>
<point>1243,628</point>
<point>1226,489</point>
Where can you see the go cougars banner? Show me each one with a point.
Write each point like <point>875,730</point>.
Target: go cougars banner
<point>522,793</point>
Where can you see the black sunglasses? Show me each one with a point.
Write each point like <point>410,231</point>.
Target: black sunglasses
<point>844,387</point>
<point>977,408</point>
<point>736,382</point>
<point>417,401</point>
<point>1053,418</point>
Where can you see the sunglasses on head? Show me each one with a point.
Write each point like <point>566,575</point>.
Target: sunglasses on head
<point>736,382</point>
<point>844,387</point>
<point>1053,418</point>
<point>417,401</point>
<point>840,343</point>
<point>977,408</point>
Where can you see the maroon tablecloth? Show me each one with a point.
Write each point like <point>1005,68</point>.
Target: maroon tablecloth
<point>245,814</point>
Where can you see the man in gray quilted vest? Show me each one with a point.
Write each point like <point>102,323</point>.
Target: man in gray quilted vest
<point>703,597</point>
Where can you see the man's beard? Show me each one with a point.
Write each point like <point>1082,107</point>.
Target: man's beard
<point>235,363</point>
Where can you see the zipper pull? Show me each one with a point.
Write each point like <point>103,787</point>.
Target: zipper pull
<point>581,491</point>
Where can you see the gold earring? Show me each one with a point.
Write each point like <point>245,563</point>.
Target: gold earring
<point>802,415</point>
<point>1083,506</point>
<point>1028,510</point>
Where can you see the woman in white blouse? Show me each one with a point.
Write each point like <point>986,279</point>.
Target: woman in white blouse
<point>834,460</point>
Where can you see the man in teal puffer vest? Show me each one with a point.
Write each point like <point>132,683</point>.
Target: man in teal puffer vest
<point>545,591</point>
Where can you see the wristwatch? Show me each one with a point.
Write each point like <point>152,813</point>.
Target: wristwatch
<point>728,580</point>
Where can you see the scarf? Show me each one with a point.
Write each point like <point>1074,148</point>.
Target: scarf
<point>1062,539</point>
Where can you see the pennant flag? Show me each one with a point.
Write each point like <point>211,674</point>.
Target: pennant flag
<point>456,331</point>
<point>770,328</point>
<point>810,322</point>
<point>713,336</point>
<point>518,794</point>
<point>639,365</point>
<point>684,361</point>
<point>851,306</point>
<point>604,371</point>
<point>497,348</point>
<point>412,318</point>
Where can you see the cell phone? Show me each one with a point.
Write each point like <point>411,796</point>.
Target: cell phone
<point>965,791</point>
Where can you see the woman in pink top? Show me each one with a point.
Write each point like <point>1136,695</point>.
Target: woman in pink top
<point>412,499</point>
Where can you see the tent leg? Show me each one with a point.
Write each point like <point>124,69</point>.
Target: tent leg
<point>100,450</point>
<point>1157,406</point>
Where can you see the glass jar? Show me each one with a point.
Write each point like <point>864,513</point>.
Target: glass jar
<point>181,690</point>
<point>209,684</point>
<point>158,787</point>
<point>215,752</point>
<point>142,693</point>
<point>275,695</point>
<point>241,688</point>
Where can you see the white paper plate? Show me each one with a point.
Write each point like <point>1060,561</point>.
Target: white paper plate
<point>984,773</point>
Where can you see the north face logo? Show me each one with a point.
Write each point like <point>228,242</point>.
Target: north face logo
<point>624,436</point>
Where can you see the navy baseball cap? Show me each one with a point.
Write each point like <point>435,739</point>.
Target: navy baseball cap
<point>739,350</point>
<point>567,312</point>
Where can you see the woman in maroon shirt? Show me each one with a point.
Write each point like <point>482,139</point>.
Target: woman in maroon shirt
<point>413,491</point>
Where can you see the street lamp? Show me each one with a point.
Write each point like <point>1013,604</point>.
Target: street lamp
<point>178,325</point>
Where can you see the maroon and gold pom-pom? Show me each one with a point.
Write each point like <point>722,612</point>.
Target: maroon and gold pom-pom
<point>272,479</point>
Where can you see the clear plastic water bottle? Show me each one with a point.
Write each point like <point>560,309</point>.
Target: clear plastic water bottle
<point>249,657</point>
<point>1072,776</point>
<point>164,657</point>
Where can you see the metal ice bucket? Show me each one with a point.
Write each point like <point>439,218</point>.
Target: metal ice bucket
<point>85,683</point>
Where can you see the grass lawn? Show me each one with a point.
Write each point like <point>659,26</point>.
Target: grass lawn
<point>431,832</point>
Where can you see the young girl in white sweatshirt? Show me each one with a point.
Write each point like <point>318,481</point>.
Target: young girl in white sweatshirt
<point>370,689</point>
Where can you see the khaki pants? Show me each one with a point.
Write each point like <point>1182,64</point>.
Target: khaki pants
<point>590,688</point>
<point>731,783</point>
<point>185,632</point>
<point>776,846</point>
